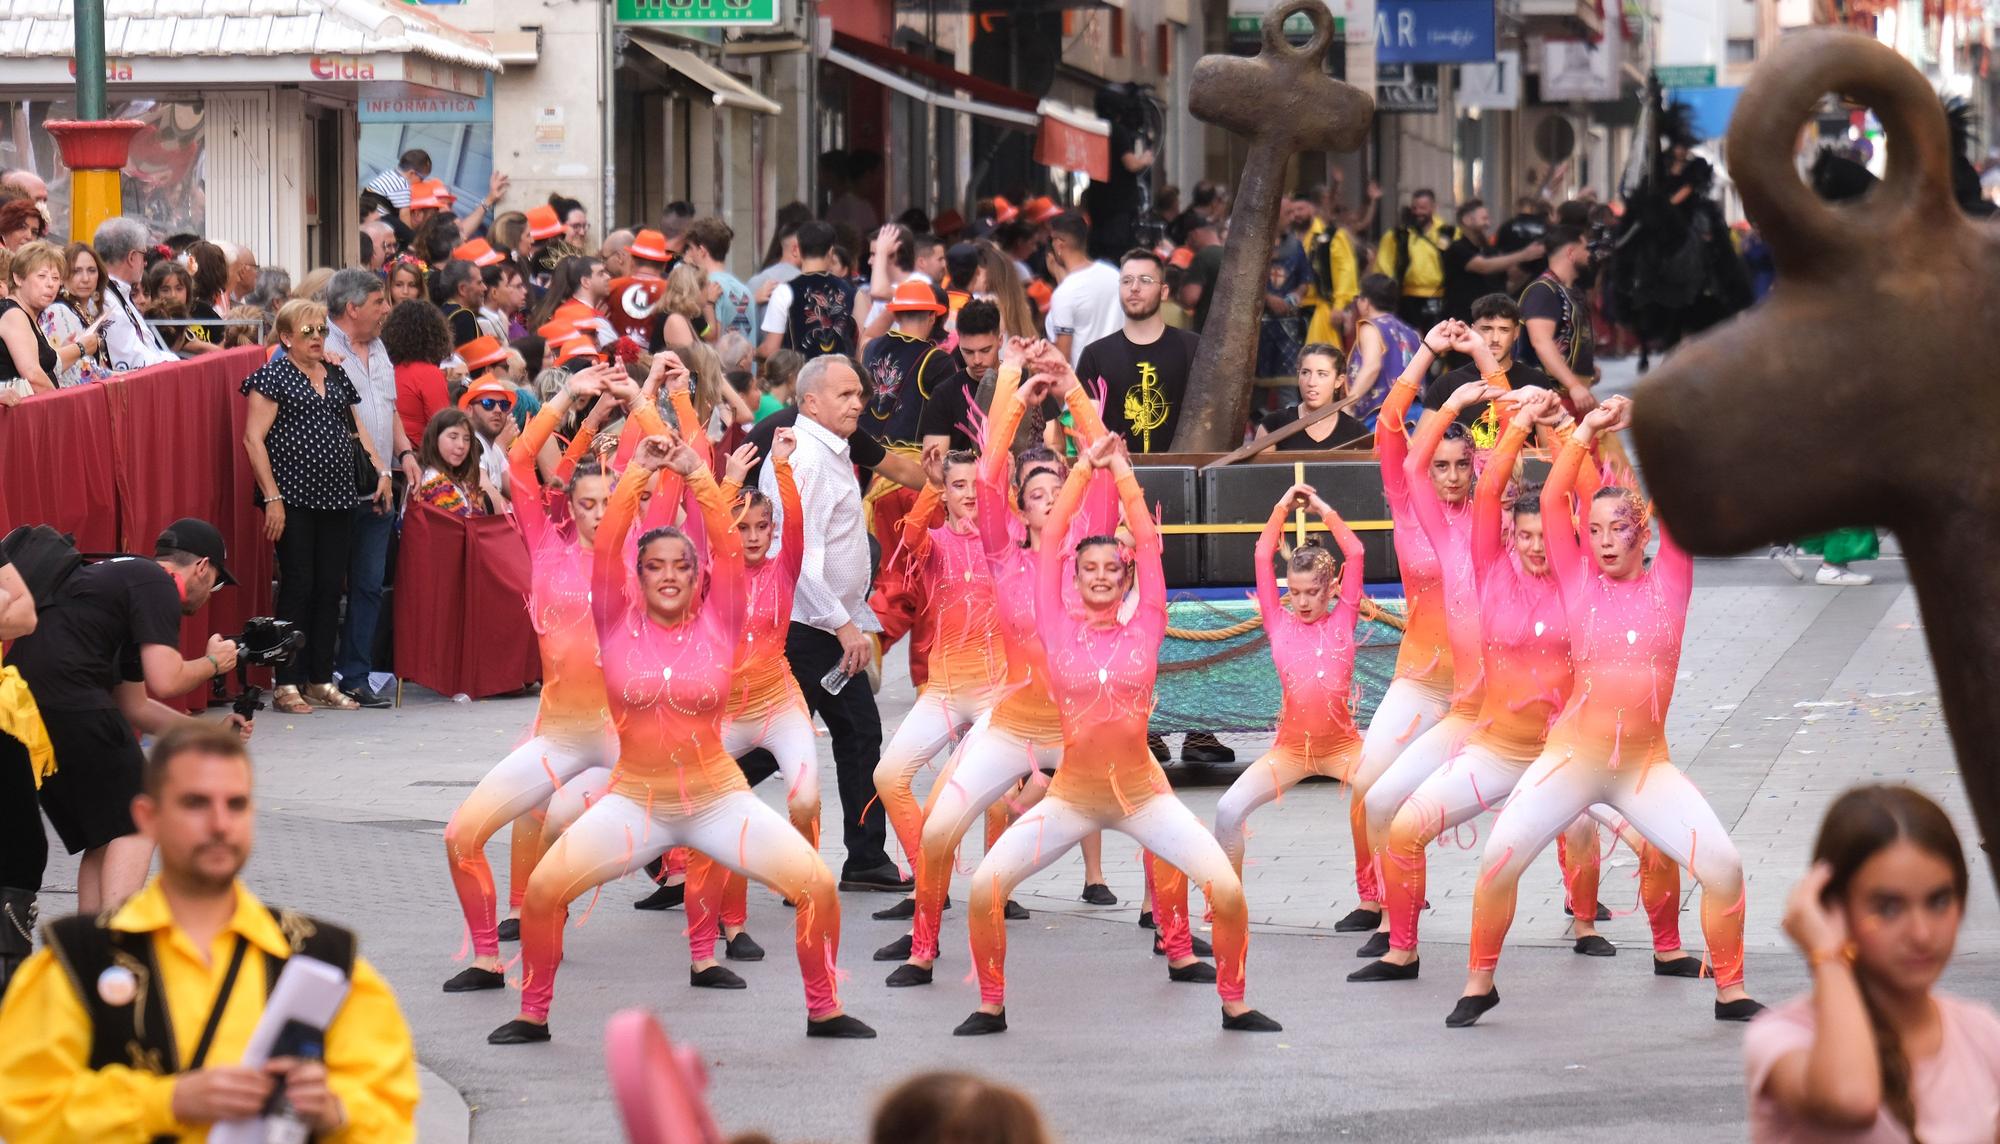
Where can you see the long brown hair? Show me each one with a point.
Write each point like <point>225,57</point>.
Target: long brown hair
<point>466,474</point>
<point>956,1108</point>
<point>1859,825</point>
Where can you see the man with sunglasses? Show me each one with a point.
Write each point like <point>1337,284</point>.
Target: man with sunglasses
<point>490,402</point>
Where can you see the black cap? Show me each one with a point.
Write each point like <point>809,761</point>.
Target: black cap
<point>196,538</point>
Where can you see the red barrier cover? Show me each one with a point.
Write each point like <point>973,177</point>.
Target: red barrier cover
<point>56,466</point>
<point>461,617</point>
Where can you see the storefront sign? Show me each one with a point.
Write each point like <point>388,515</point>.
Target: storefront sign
<point>1580,70</point>
<point>550,129</point>
<point>1411,89</point>
<point>329,70</point>
<point>1246,20</point>
<point>698,13</point>
<point>1492,87</point>
<point>408,104</point>
<point>1433,31</point>
<point>1689,75</point>
<point>1073,148</point>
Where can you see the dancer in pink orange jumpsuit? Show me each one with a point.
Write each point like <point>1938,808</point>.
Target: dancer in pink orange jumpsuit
<point>1022,736</point>
<point>1609,745</point>
<point>668,649</point>
<point>968,663</point>
<point>1312,644</point>
<point>1422,692</point>
<point>1527,664</point>
<point>1101,673</point>
<point>572,731</point>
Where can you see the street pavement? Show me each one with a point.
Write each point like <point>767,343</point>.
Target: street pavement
<point>1788,693</point>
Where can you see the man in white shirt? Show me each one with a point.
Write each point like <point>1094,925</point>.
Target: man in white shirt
<point>830,613</point>
<point>129,342</point>
<point>357,304</point>
<point>1085,304</point>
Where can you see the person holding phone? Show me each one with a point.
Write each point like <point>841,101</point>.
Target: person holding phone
<point>35,281</point>
<point>78,317</point>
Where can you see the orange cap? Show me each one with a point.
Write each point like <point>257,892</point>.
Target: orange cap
<point>1040,209</point>
<point>444,196</point>
<point>486,386</point>
<point>1182,258</point>
<point>479,252</point>
<point>651,246</point>
<point>1004,211</point>
<point>424,196</point>
<point>543,223</point>
<point>556,330</point>
<point>914,296</point>
<point>481,352</point>
<point>579,347</point>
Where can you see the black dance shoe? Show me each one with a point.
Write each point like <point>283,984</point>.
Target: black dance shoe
<point>1358,921</point>
<point>1469,1010</point>
<point>664,898</point>
<point>906,975</point>
<point>981,1023</point>
<point>473,979</point>
<point>883,879</point>
<point>1683,966</point>
<point>1015,911</point>
<point>1376,945</point>
<point>1199,948</point>
<point>1741,1009</point>
<point>1099,894</point>
<point>898,950</point>
<point>1202,747</point>
<point>714,977</point>
<point>1386,971</point>
<point>518,1032</point>
<point>841,1028</point>
<point>1250,1021</point>
<point>1146,920</point>
<point>1194,972</point>
<point>743,947</point>
<point>1595,945</point>
<point>510,929</point>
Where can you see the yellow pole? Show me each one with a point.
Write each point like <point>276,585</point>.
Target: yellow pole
<point>94,151</point>
<point>93,197</point>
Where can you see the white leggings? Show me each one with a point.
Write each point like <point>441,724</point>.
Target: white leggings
<point>1656,799</point>
<point>1162,824</point>
<point>1425,756</point>
<point>1279,770</point>
<point>935,720</point>
<point>521,782</point>
<point>1408,710</point>
<point>786,731</point>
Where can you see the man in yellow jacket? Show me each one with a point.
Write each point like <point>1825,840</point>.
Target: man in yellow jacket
<point>129,1026</point>
<point>1412,254</point>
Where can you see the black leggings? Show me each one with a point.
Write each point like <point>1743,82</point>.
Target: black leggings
<point>312,571</point>
<point>24,845</point>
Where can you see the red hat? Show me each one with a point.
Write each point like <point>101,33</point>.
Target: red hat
<point>486,386</point>
<point>556,330</point>
<point>543,223</point>
<point>651,246</point>
<point>444,196</point>
<point>481,352</point>
<point>424,195</point>
<point>1182,258</point>
<point>479,252</point>
<point>1004,211</point>
<point>1040,209</point>
<point>914,296</point>
<point>578,347</point>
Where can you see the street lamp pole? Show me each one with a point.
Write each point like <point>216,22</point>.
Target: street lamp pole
<point>93,147</point>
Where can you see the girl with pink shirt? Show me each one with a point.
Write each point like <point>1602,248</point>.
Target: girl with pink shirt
<point>1874,1054</point>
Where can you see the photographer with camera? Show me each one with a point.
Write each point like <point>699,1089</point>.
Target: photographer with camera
<point>1116,205</point>
<point>1557,316</point>
<point>106,634</point>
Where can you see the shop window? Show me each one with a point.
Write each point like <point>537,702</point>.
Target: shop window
<point>163,181</point>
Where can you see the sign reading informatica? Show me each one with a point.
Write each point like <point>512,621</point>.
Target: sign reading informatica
<point>699,13</point>
<point>1434,31</point>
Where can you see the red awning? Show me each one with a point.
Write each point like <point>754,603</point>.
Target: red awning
<point>1067,138</point>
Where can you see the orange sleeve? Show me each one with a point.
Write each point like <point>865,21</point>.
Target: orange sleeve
<point>1089,421</point>
<point>1002,422</point>
<point>692,430</point>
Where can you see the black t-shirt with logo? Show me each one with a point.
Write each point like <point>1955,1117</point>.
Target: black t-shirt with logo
<point>902,374</point>
<point>821,320</point>
<point>1144,385</point>
<point>87,640</point>
<point>1546,297</point>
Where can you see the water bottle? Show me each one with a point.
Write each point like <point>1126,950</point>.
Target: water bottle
<point>834,680</point>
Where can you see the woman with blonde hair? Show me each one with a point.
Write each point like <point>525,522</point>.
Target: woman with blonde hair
<point>999,282</point>
<point>716,402</point>
<point>35,279</point>
<point>76,308</point>
<point>688,307</point>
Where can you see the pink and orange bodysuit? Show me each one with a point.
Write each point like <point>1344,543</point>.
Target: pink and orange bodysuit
<point>1101,676</point>
<point>1315,663</point>
<point>572,732</point>
<point>675,784</point>
<point>1609,745</point>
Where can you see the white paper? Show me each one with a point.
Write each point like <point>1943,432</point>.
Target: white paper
<point>309,991</point>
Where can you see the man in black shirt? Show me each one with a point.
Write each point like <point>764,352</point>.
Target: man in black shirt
<point>1473,267</point>
<point>813,314</point>
<point>463,292</point>
<point>109,636</point>
<point>1497,321</point>
<point>868,453</point>
<point>1144,365</point>
<point>949,410</point>
<point>1558,319</point>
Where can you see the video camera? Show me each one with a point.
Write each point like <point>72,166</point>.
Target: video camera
<point>265,642</point>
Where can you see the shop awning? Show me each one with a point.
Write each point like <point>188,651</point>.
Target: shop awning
<point>1074,140</point>
<point>724,90</point>
<point>988,100</point>
<point>311,43</point>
